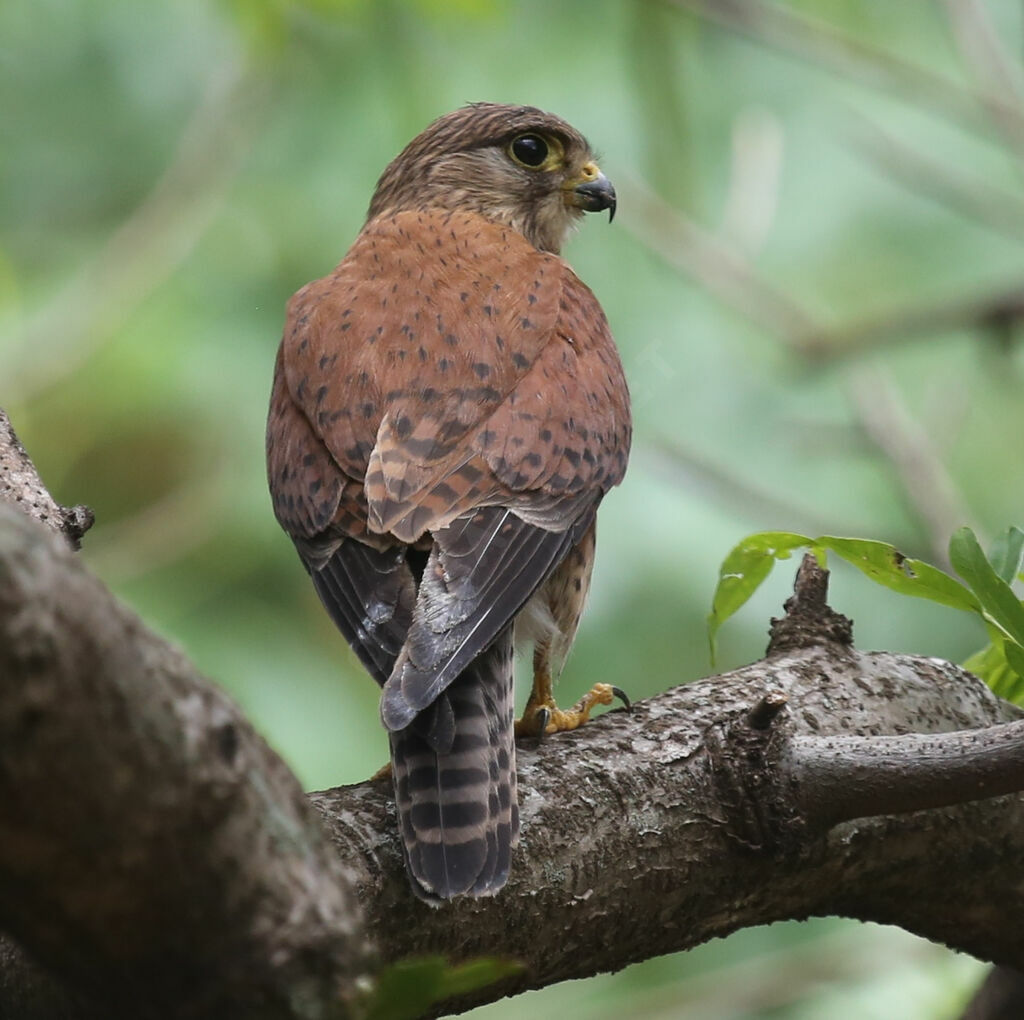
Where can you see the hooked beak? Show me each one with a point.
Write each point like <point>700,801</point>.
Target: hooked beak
<point>591,191</point>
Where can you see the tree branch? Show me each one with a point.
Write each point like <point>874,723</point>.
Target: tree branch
<point>155,852</point>
<point>20,484</point>
<point>839,778</point>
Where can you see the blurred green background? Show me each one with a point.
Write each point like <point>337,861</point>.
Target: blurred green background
<point>818,201</point>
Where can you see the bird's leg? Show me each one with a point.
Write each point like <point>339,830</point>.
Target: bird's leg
<point>542,716</point>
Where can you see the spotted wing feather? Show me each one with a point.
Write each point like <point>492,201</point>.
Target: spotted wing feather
<point>482,570</point>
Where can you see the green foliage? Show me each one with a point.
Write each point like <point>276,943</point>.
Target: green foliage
<point>987,593</point>
<point>407,989</point>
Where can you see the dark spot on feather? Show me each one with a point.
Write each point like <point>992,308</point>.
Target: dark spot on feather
<point>424,449</point>
<point>482,369</point>
<point>520,360</point>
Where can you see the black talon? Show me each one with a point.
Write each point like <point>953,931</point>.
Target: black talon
<point>543,717</point>
<point>622,696</point>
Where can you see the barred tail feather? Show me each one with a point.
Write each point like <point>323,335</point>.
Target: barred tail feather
<point>457,807</point>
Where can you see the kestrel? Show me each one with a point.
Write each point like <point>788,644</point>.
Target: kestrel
<point>448,411</point>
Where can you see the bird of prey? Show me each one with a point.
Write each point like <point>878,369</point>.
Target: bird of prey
<point>448,410</point>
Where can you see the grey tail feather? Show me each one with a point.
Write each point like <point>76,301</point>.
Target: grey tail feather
<point>457,807</point>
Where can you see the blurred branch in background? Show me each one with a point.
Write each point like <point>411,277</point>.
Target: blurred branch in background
<point>823,44</point>
<point>715,264</point>
<point>978,199</point>
<point>1000,79</point>
<point>732,489</point>
<point>995,315</point>
<point>725,272</point>
<point>659,78</point>
<point>147,248</point>
<point>755,175</point>
<point>926,483</point>
<point>163,531</point>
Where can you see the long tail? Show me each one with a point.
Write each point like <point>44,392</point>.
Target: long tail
<point>455,782</point>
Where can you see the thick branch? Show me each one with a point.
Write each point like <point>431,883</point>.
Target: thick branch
<point>840,778</point>
<point>655,831</point>
<point>154,851</point>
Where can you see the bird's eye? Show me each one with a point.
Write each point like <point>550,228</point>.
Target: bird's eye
<point>530,150</point>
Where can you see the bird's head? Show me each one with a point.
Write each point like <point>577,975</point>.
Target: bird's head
<point>513,164</point>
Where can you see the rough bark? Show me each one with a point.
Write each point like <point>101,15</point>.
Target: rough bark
<point>21,485</point>
<point>158,858</point>
<point>654,831</point>
<point>156,854</point>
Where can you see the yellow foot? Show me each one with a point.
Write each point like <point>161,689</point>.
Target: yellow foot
<point>542,718</point>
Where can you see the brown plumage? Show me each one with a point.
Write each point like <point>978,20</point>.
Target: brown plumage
<point>448,411</point>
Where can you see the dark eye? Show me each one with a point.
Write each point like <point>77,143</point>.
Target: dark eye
<point>530,150</point>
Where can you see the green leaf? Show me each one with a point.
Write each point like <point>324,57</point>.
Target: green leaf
<point>1006,554</point>
<point>1015,660</point>
<point>885,564</point>
<point>743,570</point>
<point>409,988</point>
<point>998,601</point>
<point>991,665</point>
<point>750,562</point>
